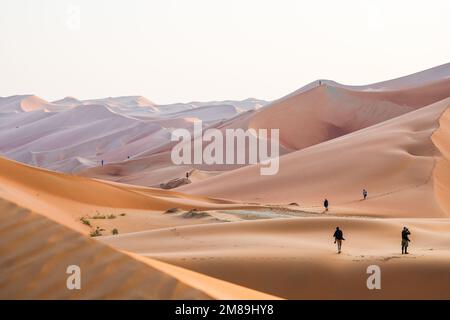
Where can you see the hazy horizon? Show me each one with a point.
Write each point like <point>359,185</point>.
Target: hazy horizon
<point>175,51</point>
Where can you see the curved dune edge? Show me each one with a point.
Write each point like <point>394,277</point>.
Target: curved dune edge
<point>65,198</point>
<point>35,252</point>
<point>216,288</point>
<point>441,173</point>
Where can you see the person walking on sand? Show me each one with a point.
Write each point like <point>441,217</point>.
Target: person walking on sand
<point>405,240</point>
<point>364,194</point>
<point>338,237</point>
<point>187,175</point>
<point>325,204</point>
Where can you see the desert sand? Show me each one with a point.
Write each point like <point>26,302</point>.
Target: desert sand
<point>229,232</point>
<point>399,170</point>
<point>295,258</point>
<point>35,253</point>
<point>311,115</point>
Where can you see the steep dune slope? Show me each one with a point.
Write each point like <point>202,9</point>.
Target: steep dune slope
<point>441,173</point>
<point>394,160</point>
<point>88,133</point>
<point>35,253</point>
<point>326,111</point>
<point>318,112</point>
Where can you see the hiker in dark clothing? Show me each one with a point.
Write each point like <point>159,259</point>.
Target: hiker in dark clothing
<point>187,174</point>
<point>102,162</point>
<point>405,240</point>
<point>364,194</point>
<point>338,237</point>
<point>325,204</point>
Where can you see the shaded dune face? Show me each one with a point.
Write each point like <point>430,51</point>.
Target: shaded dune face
<point>35,253</point>
<point>441,173</point>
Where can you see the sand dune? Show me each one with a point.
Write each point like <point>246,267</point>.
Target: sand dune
<point>50,207</point>
<point>299,258</point>
<point>21,103</point>
<point>424,77</point>
<point>229,233</point>
<point>36,269</point>
<point>395,160</point>
<point>312,115</point>
<point>296,254</point>
<point>125,132</point>
<point>35,253</point>
<point>326,112</point>
<point>70,135</point>
<point>51,194</point>
<point>441,173</point>
<point>247,104</point>
<point>431,75</point>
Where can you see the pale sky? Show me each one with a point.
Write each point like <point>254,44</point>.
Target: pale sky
<point>184,50</point>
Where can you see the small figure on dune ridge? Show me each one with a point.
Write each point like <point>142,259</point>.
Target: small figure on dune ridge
<point>325,204</point>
